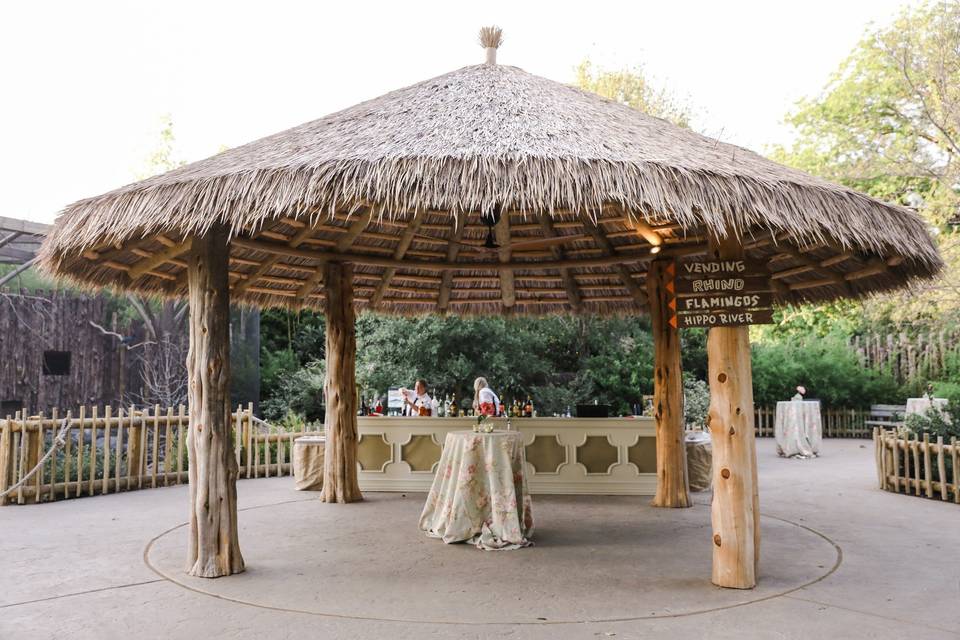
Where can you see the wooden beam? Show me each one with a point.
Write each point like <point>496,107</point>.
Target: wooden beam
<point>735,509</point>
<point>835,260</point>
<point>214,549</point>
<point>340,387</point>
<point>149,264</point>
<point>569,283</point>
<point>457,229</point>
<point>268,264</point>
<point>504,254</point>
<point>673,488</point>
<point>342,244</point>
<point>608,251</point>
<point>406,239</point>
<point>277,249</point>
<point>645,231</point>
<point>873,268</point>
<point>10,238</point>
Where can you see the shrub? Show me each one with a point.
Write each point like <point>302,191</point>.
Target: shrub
<point>696,402</point>
<point>829,369</point>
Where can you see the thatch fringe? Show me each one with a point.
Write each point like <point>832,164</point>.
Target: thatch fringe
<point>722,204</point>
<point>482,137</point>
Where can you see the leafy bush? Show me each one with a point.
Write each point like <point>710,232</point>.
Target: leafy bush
<point>826,366</point>
<point>299,391</point>
<point>696,402</point>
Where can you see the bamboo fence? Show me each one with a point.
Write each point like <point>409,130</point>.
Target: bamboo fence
<point>111,451</point>
<point>837,423</point>
<point>916,466</point>
<point>909,358</point>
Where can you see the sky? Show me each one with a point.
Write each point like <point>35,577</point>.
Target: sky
<point>85,86</point>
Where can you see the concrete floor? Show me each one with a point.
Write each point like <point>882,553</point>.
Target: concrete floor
<point>841,559</point>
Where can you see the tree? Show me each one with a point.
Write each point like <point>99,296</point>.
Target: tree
<point>632,87</point>
<point>888,124</point>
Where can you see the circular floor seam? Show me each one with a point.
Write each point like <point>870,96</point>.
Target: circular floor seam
<point>146,558</point>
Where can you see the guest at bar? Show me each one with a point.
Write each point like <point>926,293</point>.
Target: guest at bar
<point>416,402</point>
<point>485,401</point>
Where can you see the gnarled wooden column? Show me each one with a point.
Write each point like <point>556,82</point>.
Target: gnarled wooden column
<point>735,510</point>
<point>214,547</point>
<point>340,386</point>
<point>673,489</point>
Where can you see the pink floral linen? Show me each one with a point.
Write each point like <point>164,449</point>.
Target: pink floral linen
<point>479,494</point>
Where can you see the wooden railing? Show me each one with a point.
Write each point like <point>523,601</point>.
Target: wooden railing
<point>914,465</point>
<point>837,423</point>
<point>106,451</point>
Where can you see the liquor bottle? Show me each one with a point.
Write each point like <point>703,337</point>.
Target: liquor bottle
<point>446,405</point>
<point>454,410</point>
<point>528,408</point>
<point>434,405</point>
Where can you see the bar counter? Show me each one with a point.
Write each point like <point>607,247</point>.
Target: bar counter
<point>598,456</point>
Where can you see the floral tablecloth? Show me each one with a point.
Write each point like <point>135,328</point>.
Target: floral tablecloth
<point>479,494</point>
<point>798,428</point>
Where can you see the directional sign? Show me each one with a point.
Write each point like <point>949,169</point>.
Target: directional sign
<point>731,301</point>
<point>722,293</point>
<point>722,284</point>
<point>725,318</point>
<point>722,268</point>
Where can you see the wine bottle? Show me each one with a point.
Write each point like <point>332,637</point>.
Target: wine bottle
<point>454,410</point>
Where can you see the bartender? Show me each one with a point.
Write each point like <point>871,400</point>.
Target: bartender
<point>416,402</point>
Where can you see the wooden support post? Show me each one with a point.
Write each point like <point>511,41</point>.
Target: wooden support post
<point>214,548</point>
<point>340,386</point>
<point>6,459</point>
<point>735,509</point>
<point>673,489</point>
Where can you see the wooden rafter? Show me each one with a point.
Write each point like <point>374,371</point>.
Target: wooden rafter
<point>502,231</point>
<point>447,278</point>
<point>569,283</point>
<point>268,264</point>
<point>608,251</point>
<point>406,239</point>
<point>279,249</point>
<point>342,244</point>
<point>149,264</point>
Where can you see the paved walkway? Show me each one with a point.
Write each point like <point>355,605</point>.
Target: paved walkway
<point>841,560</point>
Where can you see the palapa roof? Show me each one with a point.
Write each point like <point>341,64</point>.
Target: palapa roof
<point>398,186</point>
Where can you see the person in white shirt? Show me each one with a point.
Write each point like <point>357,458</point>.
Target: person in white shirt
<point>485,401</point>
<point>416,402</point>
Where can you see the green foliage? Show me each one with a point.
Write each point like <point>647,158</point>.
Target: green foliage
<point>632,87</point>
<point>825,365</point>
<point>299,390</point>
<point>696,402</point>
<point>558,361</point>
<point>935,422</point>
<point>31,279</point>
<point>888,124</point>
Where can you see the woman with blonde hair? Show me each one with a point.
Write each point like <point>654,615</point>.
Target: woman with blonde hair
<point>485,401</point>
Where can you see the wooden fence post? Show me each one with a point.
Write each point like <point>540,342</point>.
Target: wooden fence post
<point>6,455</point>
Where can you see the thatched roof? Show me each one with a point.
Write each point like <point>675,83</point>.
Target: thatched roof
<point>398,185</point>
